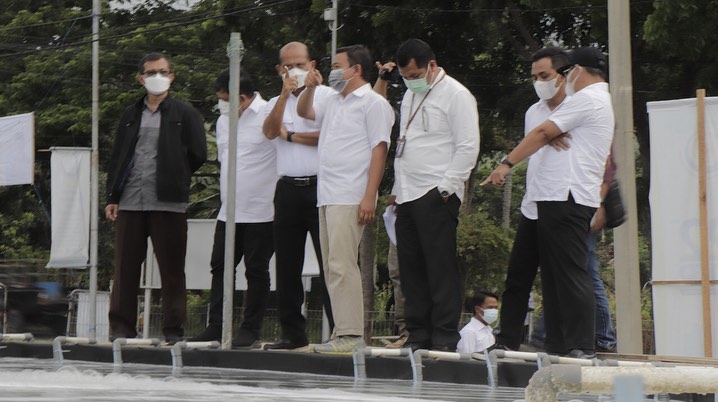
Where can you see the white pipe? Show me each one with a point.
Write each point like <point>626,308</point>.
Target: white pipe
<point>119,342</point>
<point>25,336</point>
<point>61,340</point>
<point>4,306</point>
<point>176,350</point>
<point>147,311</point>
<point>549,381</point>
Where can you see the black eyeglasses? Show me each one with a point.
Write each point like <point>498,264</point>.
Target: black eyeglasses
<point>565,69</point>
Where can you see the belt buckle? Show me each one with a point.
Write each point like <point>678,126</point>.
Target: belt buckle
<point>303,181</point>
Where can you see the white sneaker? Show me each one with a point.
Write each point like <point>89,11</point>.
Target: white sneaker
<point>341,344</point>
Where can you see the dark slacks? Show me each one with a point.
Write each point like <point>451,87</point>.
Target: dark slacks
<point>253,241</point>
<point>295,215</point>
<point>428,268</point>
<point>569,304</point>
<point>523,266</point>
<point>168,231</point>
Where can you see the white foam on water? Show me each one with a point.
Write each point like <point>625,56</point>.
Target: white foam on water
<point>68,382</point>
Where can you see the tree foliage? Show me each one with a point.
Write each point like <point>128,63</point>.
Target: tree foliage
<point>45,61</point>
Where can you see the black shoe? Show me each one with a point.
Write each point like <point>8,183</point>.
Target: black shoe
<point>581,354</point>
<point>414,346</point>
<point>444,348</point>
<point>211,333</point>
<point>285,344</point>
<point>171,339</point>
<point>117,336</point>
<point>600,349</point>
<point>244,339</point>
<point>498,346</point>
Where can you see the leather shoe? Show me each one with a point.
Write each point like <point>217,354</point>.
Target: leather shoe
<point>285,344</point>
<point>171,339</point>
<point>414,346</point>
<point>444,348</point>
<point>244,339</point>
<point>581,354</point>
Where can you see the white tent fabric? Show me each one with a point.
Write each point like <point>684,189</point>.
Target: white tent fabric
<point>675,225</point>
<point>200,236</point>
<point>17,149</point>
<point>70,195</point>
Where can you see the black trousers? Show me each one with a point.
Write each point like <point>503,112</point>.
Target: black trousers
<point>295,215</point>
<point>523,266</point>
<point>569,303</point>
<point>168,231</point>
<point>253,241</point>
<point>428,268</point>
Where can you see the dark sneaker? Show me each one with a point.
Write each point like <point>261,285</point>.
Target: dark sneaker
<point>581,354</point>
<point>211,333</point>
<point>600,349</point>
<point>414,346</point>
<point>285,344</point>
<point>444,348</point>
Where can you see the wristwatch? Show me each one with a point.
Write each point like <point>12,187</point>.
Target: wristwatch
<point>289,136</point>
<point>507,162</point>
<point>445,194</point>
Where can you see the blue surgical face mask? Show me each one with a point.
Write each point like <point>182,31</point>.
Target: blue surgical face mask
<point>418,85</point>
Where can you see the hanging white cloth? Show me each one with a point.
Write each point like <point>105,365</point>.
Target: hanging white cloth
<point>17,149</point>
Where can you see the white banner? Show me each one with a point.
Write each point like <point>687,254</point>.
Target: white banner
<point>70,197</point>
<point>675,225</point>
<point>17,149</point>
<point>200,238</point>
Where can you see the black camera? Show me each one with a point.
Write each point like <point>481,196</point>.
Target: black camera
<point>390,75</point>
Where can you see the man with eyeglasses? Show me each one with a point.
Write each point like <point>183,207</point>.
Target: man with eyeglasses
<point>568,195</point>
<point>295,198</point>
<point>159,143</point>
<point>436,151</point>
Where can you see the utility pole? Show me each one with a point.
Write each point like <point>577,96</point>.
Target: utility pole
<point>625,237</point>
<point>331,15</point>
<point>235,50</point>
<point>95,166</point>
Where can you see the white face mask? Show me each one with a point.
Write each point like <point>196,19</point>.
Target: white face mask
<point>336,79</point>
<point>299,74</point>
<point>223,106</point>
<point>490,315</point>
<point>570,84</point>
<point>157,84</point>
<point>546,89</point>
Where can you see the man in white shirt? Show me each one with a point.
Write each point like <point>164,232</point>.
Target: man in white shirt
<point>355,127</point>
<point>568,193</point>
<point>436,151</point>
<point>477,335</point>
<point>295,200</point>
<point>255,181</point>
<point>524,260</point>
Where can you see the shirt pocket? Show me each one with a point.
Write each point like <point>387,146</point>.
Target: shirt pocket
<point>432,118</point>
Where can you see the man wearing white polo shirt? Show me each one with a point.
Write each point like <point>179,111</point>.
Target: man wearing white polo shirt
<point>295,200</point>
<point>436,151</point>
<point>254,213</point>
<point>568,193</point>
<point>355,127</point>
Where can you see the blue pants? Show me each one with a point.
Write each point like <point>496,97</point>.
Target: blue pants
<point>605,335</point>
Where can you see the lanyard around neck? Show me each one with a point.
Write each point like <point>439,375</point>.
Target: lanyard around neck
<point>411,117</point>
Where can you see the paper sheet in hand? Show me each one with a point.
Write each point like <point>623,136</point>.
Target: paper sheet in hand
<point>389,222</point>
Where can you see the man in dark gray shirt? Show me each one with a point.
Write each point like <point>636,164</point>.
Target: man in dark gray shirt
<point>160,142</point>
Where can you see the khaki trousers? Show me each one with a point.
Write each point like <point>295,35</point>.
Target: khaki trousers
<point>339,236</point>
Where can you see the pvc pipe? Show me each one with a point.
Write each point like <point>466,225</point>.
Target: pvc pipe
<point>549,381</point>
<point>176,350</point>
<point>24,336</point>
<point>119,342</point>
<point>359,364</point>
<point>61,340</point>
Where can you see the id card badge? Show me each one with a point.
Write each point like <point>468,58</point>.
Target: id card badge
<point>400,146</point>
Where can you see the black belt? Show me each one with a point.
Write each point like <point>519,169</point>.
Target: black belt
<point>300,181</point>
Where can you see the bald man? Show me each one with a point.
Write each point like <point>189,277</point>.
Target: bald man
<point>295,199</point>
